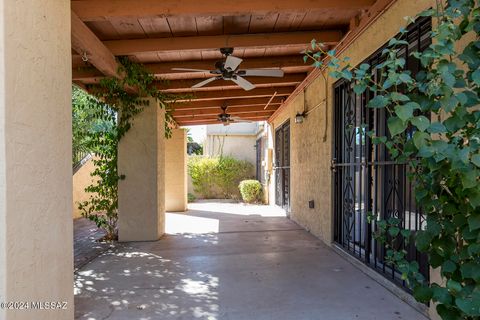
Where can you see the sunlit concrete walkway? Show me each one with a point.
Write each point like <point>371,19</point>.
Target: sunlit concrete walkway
<point>230,261</point>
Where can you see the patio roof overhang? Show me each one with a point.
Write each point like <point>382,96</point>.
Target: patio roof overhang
<point>188,34</point>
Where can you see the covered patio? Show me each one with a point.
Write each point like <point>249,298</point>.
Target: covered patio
<point>217,260</point>
<point>231,261</point>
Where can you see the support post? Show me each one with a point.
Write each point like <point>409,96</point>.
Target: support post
<point>36,230</point>
<point>176,171</point>
<point>141,196</point>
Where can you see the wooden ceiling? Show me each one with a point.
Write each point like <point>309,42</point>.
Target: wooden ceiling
<point>166,34</point>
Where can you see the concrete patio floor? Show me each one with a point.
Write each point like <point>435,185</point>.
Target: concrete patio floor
<point>230,261</point>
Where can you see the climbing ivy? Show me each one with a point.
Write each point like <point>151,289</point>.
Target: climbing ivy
<point>434,128</point>
<point>117,101</point>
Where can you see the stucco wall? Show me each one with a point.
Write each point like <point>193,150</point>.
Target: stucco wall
<point>241,147</point>
<point>81,180</point>
<point>176,171</point>
<point>311,177</point>
<point>36,233</point>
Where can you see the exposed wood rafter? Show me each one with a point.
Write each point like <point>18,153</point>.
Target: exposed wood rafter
<point>85,42</point>
<point>360,26</point>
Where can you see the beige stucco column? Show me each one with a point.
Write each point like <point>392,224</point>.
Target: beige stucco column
<point>141,196</point>
<point>176,171</point>
<point>36,249</point>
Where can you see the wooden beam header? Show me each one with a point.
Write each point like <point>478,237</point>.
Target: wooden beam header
<point>240,93</point>
<point>136,46</point>
<point>185,85</point>
<point>165,68</point>
<point>203,104</point>
<point>94,10</point>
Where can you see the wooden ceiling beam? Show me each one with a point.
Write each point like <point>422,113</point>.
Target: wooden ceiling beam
<point>239,93</point>
<point>94,10</point>
<point>215,121</point>
<point>82,72</point>
<point>186,85</point>
<point>206,104</point>
<point>137,46</point>
<point>180,114</point>
<point>247,115</point>
<point>85,42</point>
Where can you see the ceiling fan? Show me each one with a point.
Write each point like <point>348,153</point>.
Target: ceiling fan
<point>227,69</point>
<point>226,118</point>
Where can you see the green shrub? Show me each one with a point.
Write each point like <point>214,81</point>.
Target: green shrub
<point>191,197</point>
<point>218,177</point>
<point>201,170</point>
<point>251,191</point>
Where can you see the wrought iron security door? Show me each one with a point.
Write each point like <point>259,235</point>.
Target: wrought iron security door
<point>282,166</point>
<point>365,178</point>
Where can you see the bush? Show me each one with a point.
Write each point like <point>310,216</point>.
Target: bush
<point>251,191</point>
<point>191,197</point>
<point>218,177</point>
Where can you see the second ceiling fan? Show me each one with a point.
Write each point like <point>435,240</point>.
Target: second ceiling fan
<point>227,69</point>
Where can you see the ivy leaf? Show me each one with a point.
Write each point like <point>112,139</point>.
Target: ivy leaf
<point>471,305</point>
<point>476,159</point>
<point>405,78</point>
<point>359,88</point>
<point>449,266</point>
<point>454,286</point>
<point>471,270</point>
<point>378,101</point>
<point>474,198</point>
<point>441,294</point>
<point>404,112</point>
<point>420,139</point>
<point>423,240</point>
<point>396,125</point>
<point>474,222</point>
<point>469,180</point>
<point>448,313</point>
<point>394,231</point>
<point>422,293</point>
<point>421,122</point>
<point>474,249</point>
<point>396,96</point>
<point>437,127</point>
<point>476,76</point>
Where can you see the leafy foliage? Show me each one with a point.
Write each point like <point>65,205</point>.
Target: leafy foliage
<point>84,122</point>
<point>115,102</point>
<point>218,177</point>
<point>434,125</point>
<point>251,191</point>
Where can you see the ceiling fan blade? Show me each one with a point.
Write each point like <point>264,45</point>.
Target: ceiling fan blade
<point>191,70</point>
<point>238,119</point>
<point>242,121</point>
<point>245,84</point>
<point>232,63</point>
<point>263,73</point>
<point>204,82</point>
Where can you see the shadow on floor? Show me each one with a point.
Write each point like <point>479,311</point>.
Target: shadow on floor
<point>255,266</point>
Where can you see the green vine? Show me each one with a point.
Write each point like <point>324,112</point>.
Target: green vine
<point>434,128</point>
<point>117,101</point>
